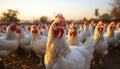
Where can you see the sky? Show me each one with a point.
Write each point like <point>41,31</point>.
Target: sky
<point>71,9</point>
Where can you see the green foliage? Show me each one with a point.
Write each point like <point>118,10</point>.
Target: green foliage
<point>96,12</point>
<point>115,12</point>
<point>105,16</point>
<point>44,19</point>
<point>9,16</point>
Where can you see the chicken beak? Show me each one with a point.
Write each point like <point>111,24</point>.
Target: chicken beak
<point>100,28</point>
<point>58,32</point>
<point>61,31</point>
<point>72,32</point>
<point>34,30</point>
<point>113,26</point>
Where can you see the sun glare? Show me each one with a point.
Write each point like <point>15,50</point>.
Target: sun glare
<point>71,9</point>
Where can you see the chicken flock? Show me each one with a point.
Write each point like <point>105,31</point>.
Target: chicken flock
<point>61,45</point>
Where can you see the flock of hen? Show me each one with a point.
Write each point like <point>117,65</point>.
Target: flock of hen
<point>63,46</point>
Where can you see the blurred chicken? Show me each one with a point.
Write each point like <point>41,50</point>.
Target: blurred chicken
<point>9,44</point>
<point>85,34</point>
<point>44,30</point>
<point>117,31</point>
<point>2,35</point>
<point>24,42</point>
<point>110,37</point>
<point>3,29</point>
<point>73,38</point>
<point>92,28</point>
<point>101,48</point>
<point>25,30</point>
<point>38,43</point>
<point>105,28</point>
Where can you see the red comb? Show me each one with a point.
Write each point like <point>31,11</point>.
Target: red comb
<point>60,18</point>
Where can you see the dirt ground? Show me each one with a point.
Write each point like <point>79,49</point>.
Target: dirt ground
<point>111,61</point>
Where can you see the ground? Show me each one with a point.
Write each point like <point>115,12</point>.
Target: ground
<point>111,61</point>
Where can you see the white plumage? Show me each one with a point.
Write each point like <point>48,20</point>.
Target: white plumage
<point>9,44</point>
<point>38,43</point>
<point>110,36</point>
<point>73,38</point>
<point>60,56</point>
<point>101,47</point>
<point>85,34</point>
<point>10,41</point>
<point>24,41</point>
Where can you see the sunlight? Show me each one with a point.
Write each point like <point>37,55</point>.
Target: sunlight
<point>70,9</point>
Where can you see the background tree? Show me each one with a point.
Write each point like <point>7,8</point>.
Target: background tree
<point>9,16</point>
<point>44,19</point>
<point>84,19</point>
<point>105,16</point>
<point>115,12</point>
<point>96,13</point>
<point>36,21</point>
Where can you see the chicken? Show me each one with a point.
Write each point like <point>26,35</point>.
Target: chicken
<point>117,31</point>
<point>3,29</point>
<point>28,27</point>
<point>25,30</point>
<point>110,36</point>
<point>105,28</point>
<point>10,40</point>
<point>118,25</point>
<point>85,34</point>
<point>24,42</point>
<point>38,43</point>
<point>92,27</point>
<point>101,48</point>
<point>2,34</point>
<point>73,38</point>
<point>9,44</point>
<point>80,28</point>
<point>44,30</point>
<point>60,56</point>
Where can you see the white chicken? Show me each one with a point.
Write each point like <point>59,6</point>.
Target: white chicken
<point>24,42</point>
<point>110,36</point>
<point>3,29</point>
<point>2,34</point>
<point>85,34</point>
<point>25,30</point>
<point>101,48</point>
<point>73,38</point>
<point>92,27</point>
<point>80,28</point>
<point>38,43</point>
<point>9,44</point>
<point>105,28</point>
<point>117,31</point>
<point>60,56</point>
<point>28,27</point>
<point>44,30</point>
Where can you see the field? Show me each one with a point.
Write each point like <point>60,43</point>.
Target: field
<point>111,61</point>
